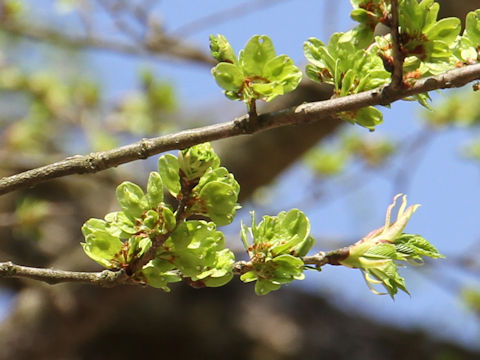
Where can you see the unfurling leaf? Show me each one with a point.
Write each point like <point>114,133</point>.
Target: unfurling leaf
<point>197,249</point>
<point>222,50</point>
<point>377,253</point>
<point>196,160</point>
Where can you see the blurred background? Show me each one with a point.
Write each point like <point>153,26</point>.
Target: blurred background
<point>78,76</point>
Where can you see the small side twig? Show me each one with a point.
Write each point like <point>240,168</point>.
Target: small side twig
<point>398,57</point>
<point>252,117</point>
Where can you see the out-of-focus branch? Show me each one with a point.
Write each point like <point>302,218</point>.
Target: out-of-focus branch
<point>157,45</point>
<point>397,74</point>
<point>304,113</point>
<point>122,26</point>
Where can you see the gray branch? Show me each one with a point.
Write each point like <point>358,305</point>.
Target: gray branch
<point>305,113</point>
<point>110,278</point>
<point>105,278</point>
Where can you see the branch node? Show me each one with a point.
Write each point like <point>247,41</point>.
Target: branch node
<point>143,149</point>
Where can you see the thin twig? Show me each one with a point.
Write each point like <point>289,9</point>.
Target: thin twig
<point>105,278</point>
<point>305,113</point>
<point>398,57</point>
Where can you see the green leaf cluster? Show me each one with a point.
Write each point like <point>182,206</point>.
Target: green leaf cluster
<point>356,60</point>
<point>426,44</point>
<point>279,242</point>
<point>197,249</point>
<point>257,73</point>
<point>188,248</point>
<point>214,190</point>
<point>377,263</point>
<point>350,70</point>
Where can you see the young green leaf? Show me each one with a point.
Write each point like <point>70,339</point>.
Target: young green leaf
<point>257,52</point>
<point>472,26</point>
<point>368,117</point>
<point>216,196</point>
<point>132,200</point>
<point>169,171</point>
<point>222,50</point>
<point>100,245</point>
<point>350,70</point>
<point>154,189</point>
<point>229,77</point>
<point>196,248</point>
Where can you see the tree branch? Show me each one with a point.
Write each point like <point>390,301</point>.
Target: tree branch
<point>398,57</point>
<point>305,113</point>
<point>105,278</point>
<point>111,278</point>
